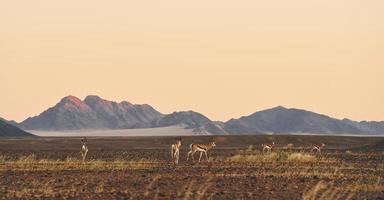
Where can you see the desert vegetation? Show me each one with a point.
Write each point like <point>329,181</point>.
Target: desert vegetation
<point>236,170</point>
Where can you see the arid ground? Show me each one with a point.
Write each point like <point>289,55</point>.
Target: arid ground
<point>140,168</point>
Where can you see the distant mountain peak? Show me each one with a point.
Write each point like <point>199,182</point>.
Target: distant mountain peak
<point>279,108</point>
<point>73,103</point>
<point>92,97</point>
<point>190,119</point>
<point>71,113</point>
<point>291,120</point>
<point>188,112</point>
<point>94,101</point>
<point>70,98</point>
<point>127,103</point>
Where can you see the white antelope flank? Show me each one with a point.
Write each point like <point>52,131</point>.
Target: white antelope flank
<point>175,151</point>
<point>84,149</point>
<point>317,148</point>
<point>268,147</point>
<point>202,148</point>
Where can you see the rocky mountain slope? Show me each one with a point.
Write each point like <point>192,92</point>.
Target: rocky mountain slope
<point>71,113</point>
<point>95,113</point>
<point>284,120</point>
<point>9,130</point>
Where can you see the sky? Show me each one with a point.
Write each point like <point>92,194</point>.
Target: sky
<point>222,58</point>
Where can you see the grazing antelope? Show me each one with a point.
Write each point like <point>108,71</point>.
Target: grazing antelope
<point>175,150</point>
<point>202,148</point>
<point>317,148</point>
<point>268,147</point>
<point>84,149</point>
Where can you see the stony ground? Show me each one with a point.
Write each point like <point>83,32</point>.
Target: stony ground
<point>140,168</point>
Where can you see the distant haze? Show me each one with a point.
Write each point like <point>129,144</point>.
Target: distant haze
<point>167,131</point>
<point>222,58</point>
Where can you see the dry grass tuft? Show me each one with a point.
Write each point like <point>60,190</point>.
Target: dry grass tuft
<point>289,147</point>
<point>349,152</point>
<point>250,148</point>
<point>27,159</point>
<point>301,157</point>
<point>314,192</point>
<point>30,162</point>
<point>71,160</point>
<point>271,157</point>
<point>278,157</point>
<point>3,159</point>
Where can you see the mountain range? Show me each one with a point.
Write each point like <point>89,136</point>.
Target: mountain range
<point>95,113</point>
<point>284,120</point>
<point>71,113</point>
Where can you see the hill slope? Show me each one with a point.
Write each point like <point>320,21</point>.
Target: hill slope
<point>191,120</point>
<point>93,113</point>
<point>284,120</point>
<point>8,130</point>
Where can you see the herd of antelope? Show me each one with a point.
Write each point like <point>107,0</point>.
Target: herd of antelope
<point>202,148</point>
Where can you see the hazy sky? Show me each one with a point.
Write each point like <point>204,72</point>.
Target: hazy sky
<point>221,58</point>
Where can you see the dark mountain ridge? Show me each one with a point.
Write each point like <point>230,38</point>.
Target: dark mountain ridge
<point>9,130</point>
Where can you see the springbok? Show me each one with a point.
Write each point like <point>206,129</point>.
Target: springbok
<point>175,151</point>
<point>268,147</point>
<point>84,149</point>
<point>317,148</point>
<point>202,148</point>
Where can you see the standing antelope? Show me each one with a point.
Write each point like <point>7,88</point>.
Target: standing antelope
<point>268,147</point>
<point>84,149</point>
<point>203,148</point>
<point>175,150</point>
<point>317,148</point>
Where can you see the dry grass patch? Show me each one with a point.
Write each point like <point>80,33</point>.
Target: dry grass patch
<point>279,157</point>
<point>323,190</point>
<point>288,147</point>
<point>30,162</point>
<point>3,159</point>
<point>301,157</point>
<point>27,159</point>
<point>271,157</point>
